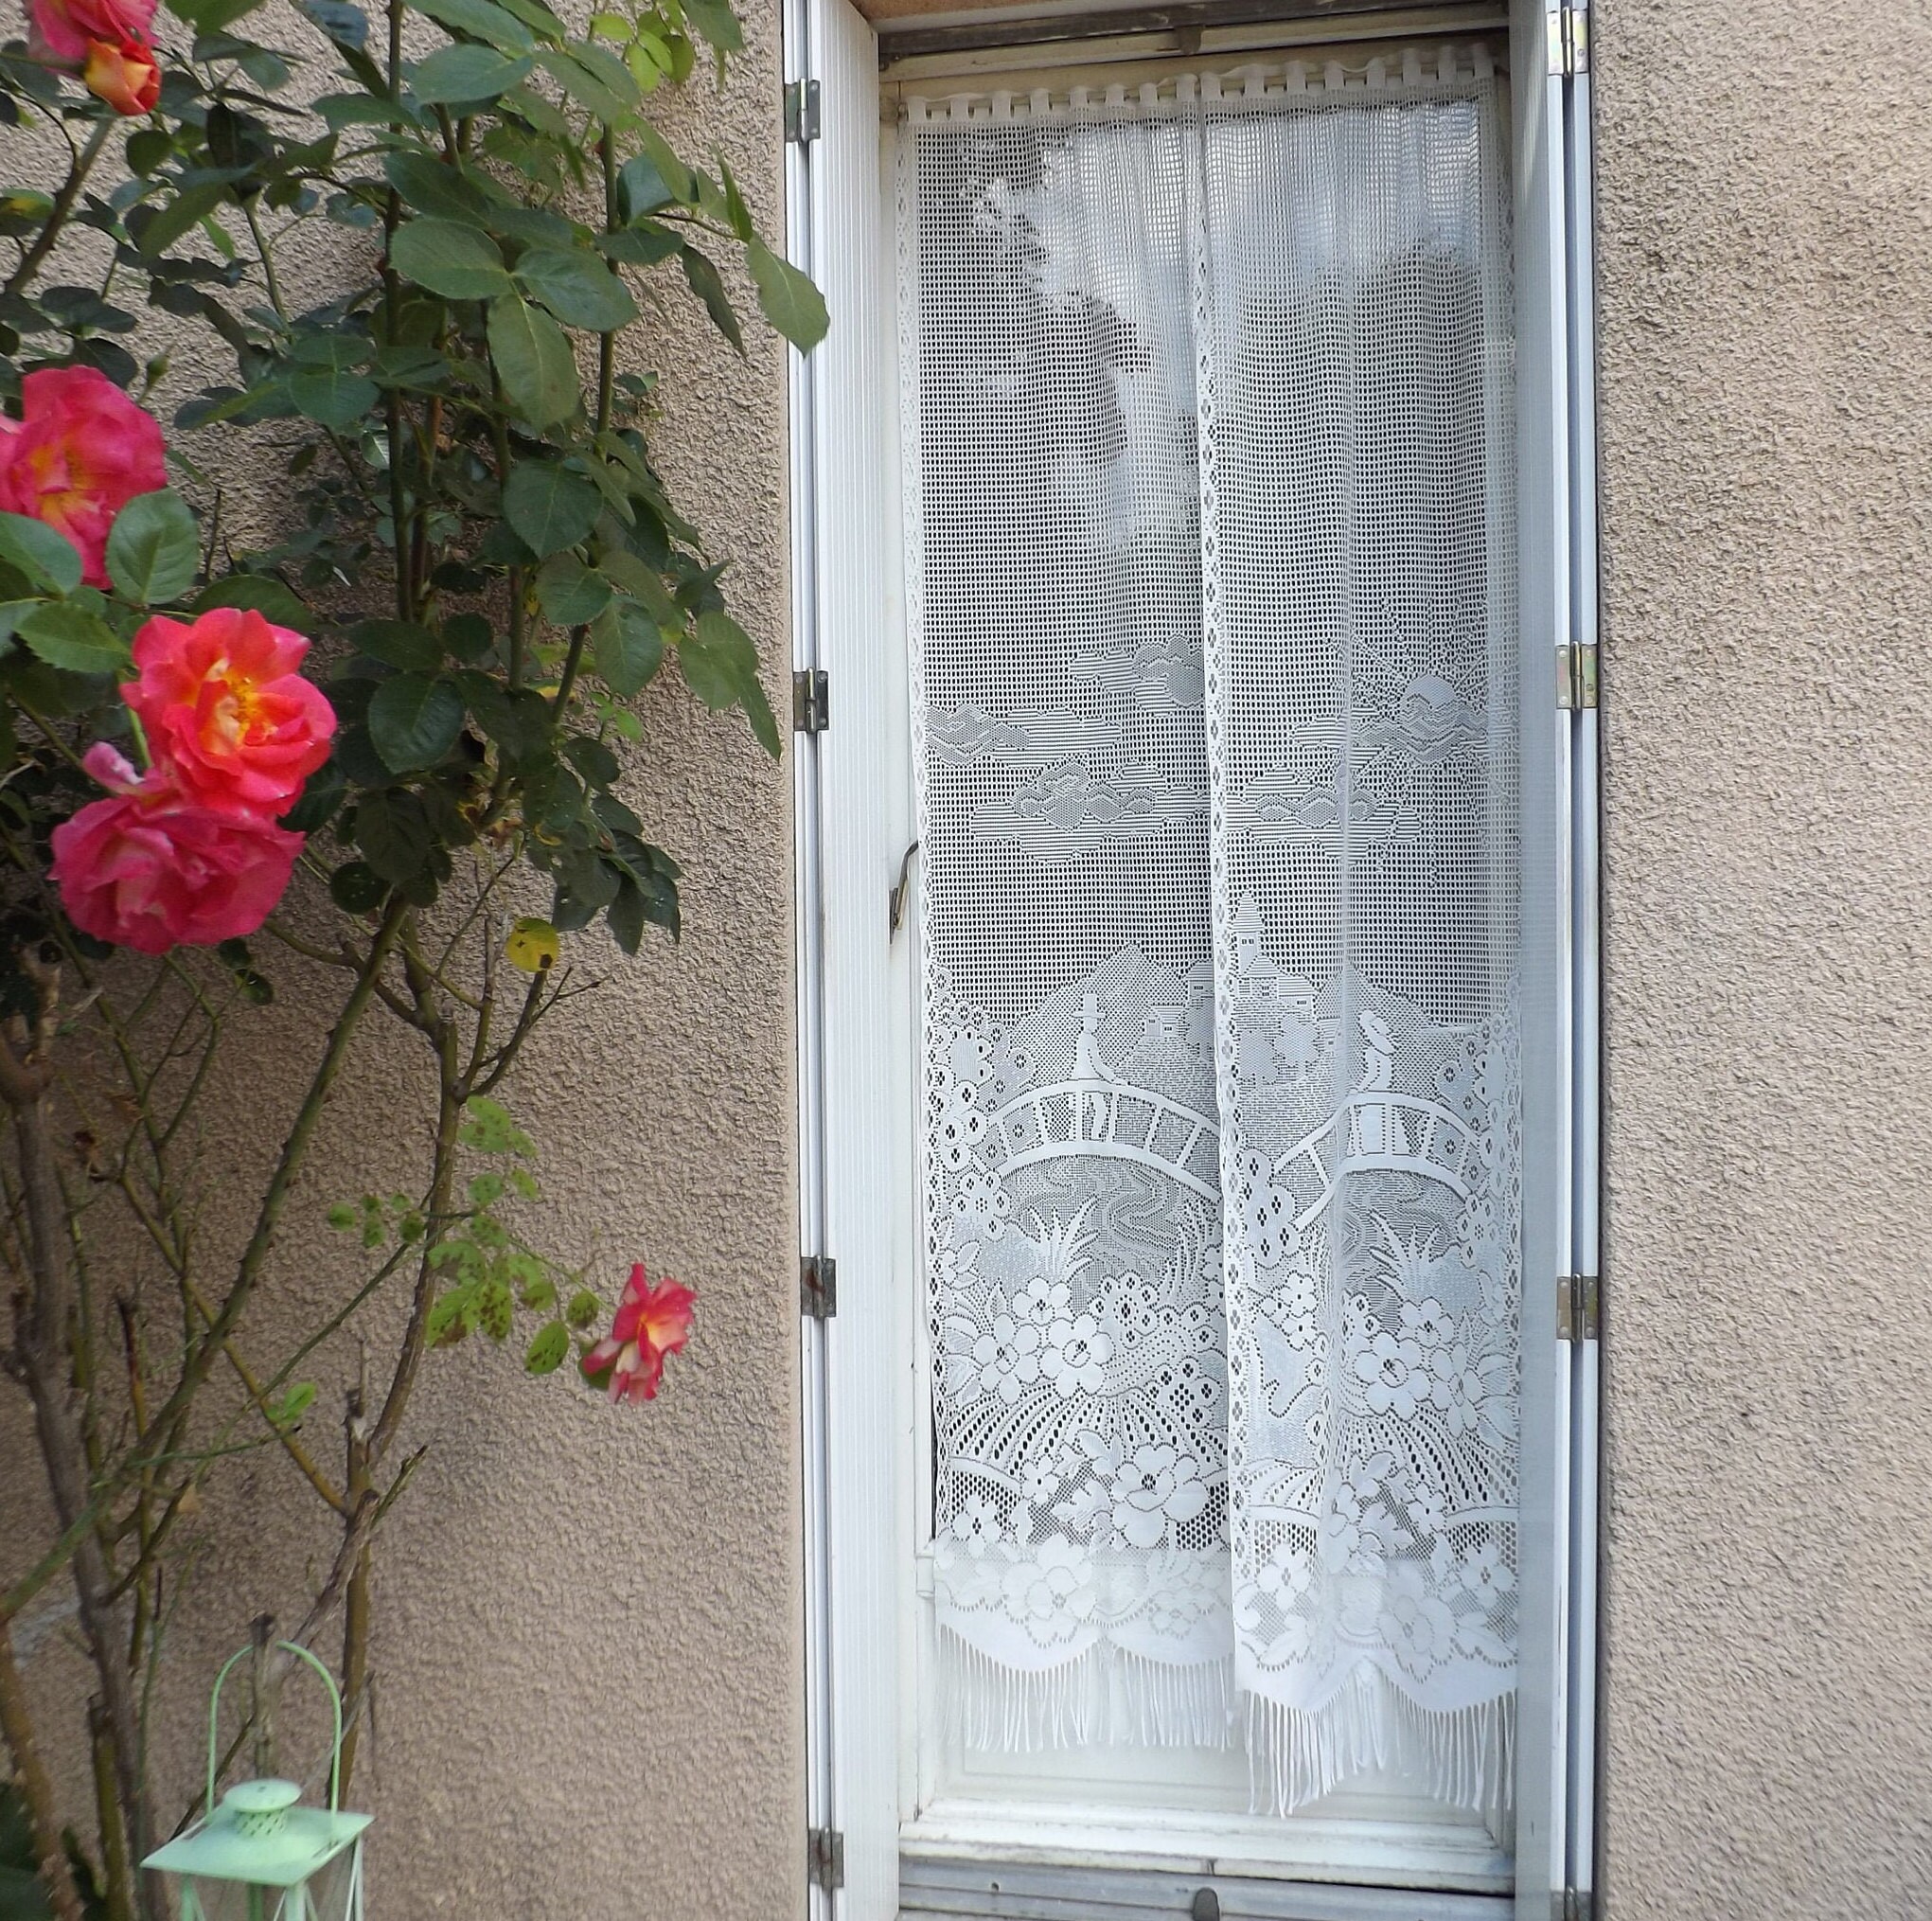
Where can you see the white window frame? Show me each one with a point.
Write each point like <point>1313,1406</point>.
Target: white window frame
<point>856,1085</point>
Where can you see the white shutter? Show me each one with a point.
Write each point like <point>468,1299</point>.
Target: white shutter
<point>1558,560</point>
<point>854,812</point>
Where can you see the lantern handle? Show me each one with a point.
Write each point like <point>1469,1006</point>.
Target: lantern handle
<point>334,1701</point>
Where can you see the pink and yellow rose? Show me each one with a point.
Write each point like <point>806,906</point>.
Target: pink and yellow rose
<point>81,450</point>
<point>151,868</point>
<point>123,73</point>
<point>226,709</point>
<point>653,1320</point>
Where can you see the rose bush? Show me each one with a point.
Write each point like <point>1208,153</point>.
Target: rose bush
<point>378,748</point>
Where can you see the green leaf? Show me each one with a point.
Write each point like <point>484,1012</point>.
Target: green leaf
<point>321,798</point>
<point>592,759</point>
<point>456,262</point>
<point>643,582</point>
<point>715,20</point>
<point>518,721</point>
<point>67,636</point>
<point>267,596</point>
<point>489,1128</point>
<point>642,187</point>
<point>709,286</point>
<point>287,1409</point>
<point>584,1308</point>
<point>399,644</point>
<point>624,915</point>
<point>569,593</point>
<point>414,720</point>
<point>486,1190</point>
<point>546,1352</point>
<point>358,110</point>
<point>435,189</point>
<point>548,507</point>
<point>461,75</point>
<point>538,368</point>
<point>720,666</point>
<point>449,1317</point>
<point>357,888</point>
<point>534,14</point>
<point>154,549</point>
<point>184,213</point>
<point>49,560</point>
<point>627,648</point>
<point>578,287</point>
<point>643,245</point>
<point>212,16</point>
<point>394,834</point>
<point>736,212</point>
<point>467,635</point>
<point>11,613</point>
<point>331,396</point>
<point>483,20</point>
<point>676,177</point>
<point>792,303</point>
<point>586,87</point>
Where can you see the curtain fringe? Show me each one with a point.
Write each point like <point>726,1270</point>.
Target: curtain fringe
<point>1466,1755</point>
<point>1101,1697</point>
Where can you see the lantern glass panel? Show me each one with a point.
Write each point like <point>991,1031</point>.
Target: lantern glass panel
<point>335,1893</point>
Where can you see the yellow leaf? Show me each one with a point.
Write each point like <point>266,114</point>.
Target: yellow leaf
<point>533,946</point>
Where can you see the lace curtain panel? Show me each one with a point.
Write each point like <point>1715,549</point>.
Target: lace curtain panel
<point>1210,525</point>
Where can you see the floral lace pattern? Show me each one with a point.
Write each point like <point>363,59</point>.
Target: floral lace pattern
<point>1211,585</point>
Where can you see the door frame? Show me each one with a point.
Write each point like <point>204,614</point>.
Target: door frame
<point>852,792</point>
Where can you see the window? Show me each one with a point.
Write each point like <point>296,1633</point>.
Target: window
<point>1192,1134</point>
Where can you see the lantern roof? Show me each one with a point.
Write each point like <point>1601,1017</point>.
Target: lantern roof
<point>219,1849</point>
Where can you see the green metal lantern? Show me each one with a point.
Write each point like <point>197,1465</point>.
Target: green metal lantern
<point>261,1855</point>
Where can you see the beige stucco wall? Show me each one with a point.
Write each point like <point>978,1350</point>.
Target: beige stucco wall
<point>588,1629</point>
<point>1765,254</point>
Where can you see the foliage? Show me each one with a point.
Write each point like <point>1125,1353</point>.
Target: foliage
<point>492,573</point>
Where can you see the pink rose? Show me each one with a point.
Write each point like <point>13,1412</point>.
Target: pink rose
<point>226,710</point>
<point>151,869</point>
<point>62,29</point>
<point>653,1320</point>
<point>81,450</point>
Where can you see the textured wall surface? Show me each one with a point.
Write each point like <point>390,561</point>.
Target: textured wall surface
<point>1766,305</point>
<point>587,1619</point>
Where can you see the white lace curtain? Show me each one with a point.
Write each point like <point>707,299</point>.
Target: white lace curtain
<point>1210,580</point>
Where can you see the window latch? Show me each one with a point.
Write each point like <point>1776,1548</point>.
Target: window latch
<point>901,890</point>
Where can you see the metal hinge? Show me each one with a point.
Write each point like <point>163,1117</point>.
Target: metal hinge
<point>1576,674</point>
<point>1572,1904</point>
<point>1577,1307</point>
<point>818,1286</point>
<point>825,1859</point>
<point>1569,42</point>
<point>811,700</point>
<point>801,111</point>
